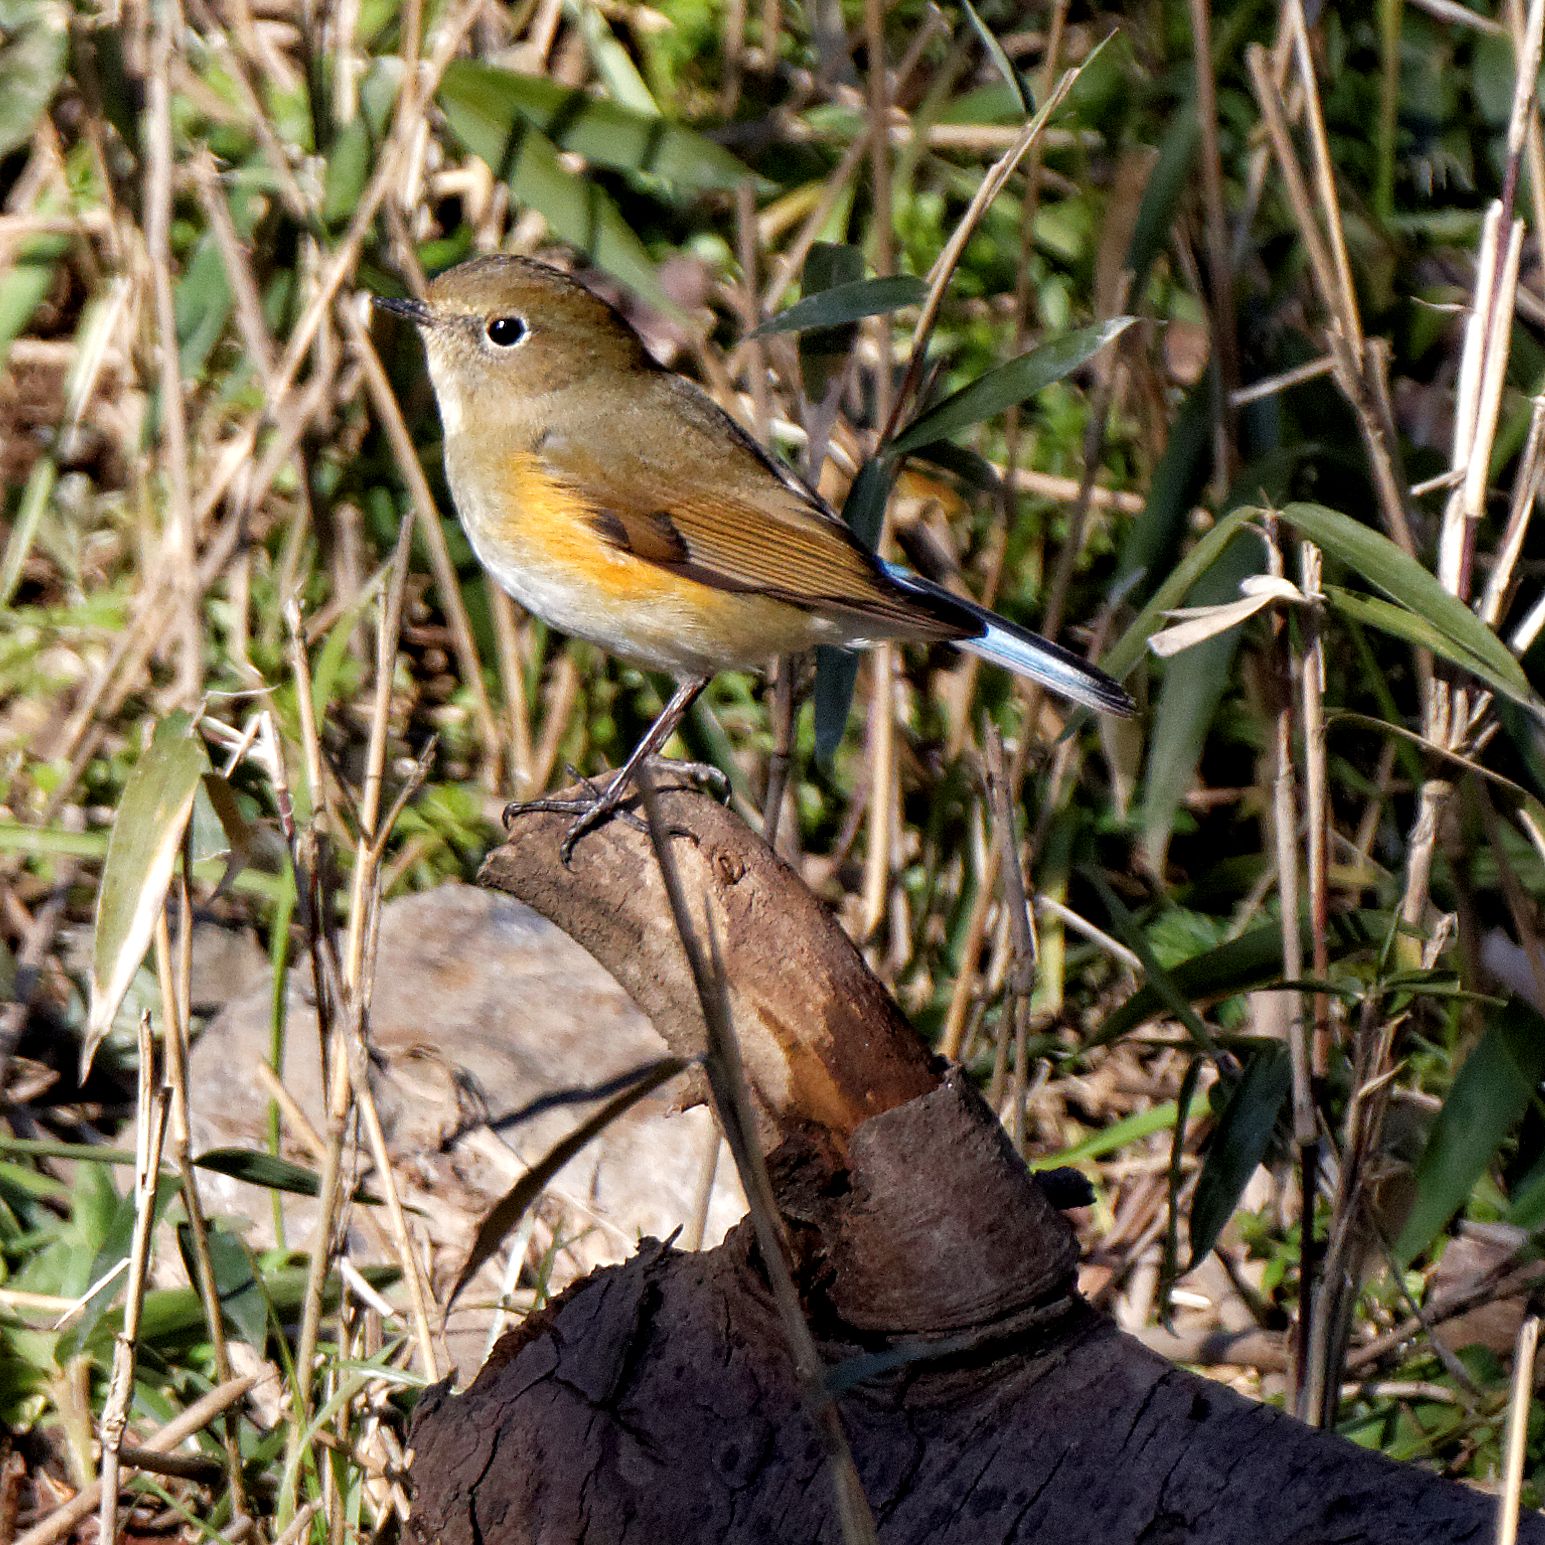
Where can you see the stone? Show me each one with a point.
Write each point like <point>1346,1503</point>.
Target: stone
<point>480,1008</point>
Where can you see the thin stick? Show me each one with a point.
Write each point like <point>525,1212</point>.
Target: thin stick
<point>884,790</point>
<point>512,684</point>
<point>1325,178</point>
<point>1021,927</point>
<point>883,256</point>
<point>945,264</point>
<point>1316,804</point>
<point>174,428</point>
<point>176,1432</point>
<point>447,586</point>
<point>958,1015</point>
<point>1524,113</point>
<point>1360,365</point>
<point>150,1129</point>
<point>1270,386</point>
<point>1285,830</point>
<point>255,335</point>
<point>1220,268</point>
<point>346,254</point>
<point>364,915</point>
<point>1526,491</point>
<point>176,988</point>
<point>1526,1349</point>
<point>737,1118</point>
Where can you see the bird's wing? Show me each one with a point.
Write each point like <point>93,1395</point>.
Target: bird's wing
<point>686,488</point>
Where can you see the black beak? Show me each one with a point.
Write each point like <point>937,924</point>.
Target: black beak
<point>414,310</point>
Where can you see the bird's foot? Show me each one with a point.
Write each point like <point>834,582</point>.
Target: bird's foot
<point>597,807</point>
<point>601,804</point>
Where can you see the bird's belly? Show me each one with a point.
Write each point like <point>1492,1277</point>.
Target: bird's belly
<point>561,570</point>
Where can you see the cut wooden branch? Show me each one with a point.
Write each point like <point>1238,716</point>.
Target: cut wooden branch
<point>984,1400</point>
<point>821,1040</point>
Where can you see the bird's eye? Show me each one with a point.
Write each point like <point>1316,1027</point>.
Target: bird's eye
<point>506,332</point>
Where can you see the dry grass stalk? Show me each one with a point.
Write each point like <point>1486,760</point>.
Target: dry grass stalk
<point>175,980</point>
<point>1220,274</point>
<point>360,946</point>
<point>738,1122</point>
<point>1358,363</point>
<point>1316,801</point>
<point>149,1131</point>
<point>1023,951</point>
<point>174,433</point>
<point>1011,476</point>
<point>1517,1440</point>
<point>58,1524</point>
<point>447,586</point>
<point>1525,495</point>
<point>949,257</point>
<point>1285,828</point>
<point>886,817</point>
<point>1325,178</point>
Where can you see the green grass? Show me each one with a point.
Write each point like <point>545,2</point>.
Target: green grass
<point>656,148</point>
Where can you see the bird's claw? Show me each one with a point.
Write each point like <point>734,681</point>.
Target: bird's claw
<point>605,803</point>
<point>588,814</point>
<point>703,775</point>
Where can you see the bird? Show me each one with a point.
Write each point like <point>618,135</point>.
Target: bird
<point>614,499</point>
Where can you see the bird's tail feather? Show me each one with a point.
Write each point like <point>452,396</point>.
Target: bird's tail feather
<point>1019,650</point>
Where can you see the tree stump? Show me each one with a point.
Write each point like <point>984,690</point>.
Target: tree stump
<point>982,1398</point>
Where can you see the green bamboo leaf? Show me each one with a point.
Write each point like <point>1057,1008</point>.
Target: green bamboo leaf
<point>613,64</point>
<point>1154,539</point>
<point>32,61</point>
<point>242,1305</point>
<point>270,1172</point>
<point>1166,187</point>
<point>1528,1203</point>
<point>1375,612</point>
<point>485,105</point>
<point>202,303</point>
<point>350,160</point>
<point>334,651</point>
<point>113,1249</point>
<point>847,303</point>
<point>578,210</point>
<point>1170,991</point>
<point>29,516</point>
<point>972,468</point>
<point>1385,566</point>
<point>1252,960</point>
<point>1238,1145</point>
<point>1489,1096</point>
<point>1006,67</point>
<point>27,279</point>
<point>1111,1139</point>
<point>836,670</point>
<point>174,1315</point>
<point>157,800</point>
<point>1008,385</point>
<point>824,352</point>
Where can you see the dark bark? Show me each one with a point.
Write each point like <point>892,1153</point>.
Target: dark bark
<point>983,1399</point>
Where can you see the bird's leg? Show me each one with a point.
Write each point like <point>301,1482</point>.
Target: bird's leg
<point>602,803</point>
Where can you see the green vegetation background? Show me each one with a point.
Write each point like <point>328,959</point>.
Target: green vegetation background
<point>210,450</point>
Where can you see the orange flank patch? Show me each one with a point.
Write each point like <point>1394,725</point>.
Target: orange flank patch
<point>552,526</point>
<point>541,541</point>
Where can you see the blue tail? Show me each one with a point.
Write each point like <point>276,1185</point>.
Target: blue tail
<point>1019,650</point>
